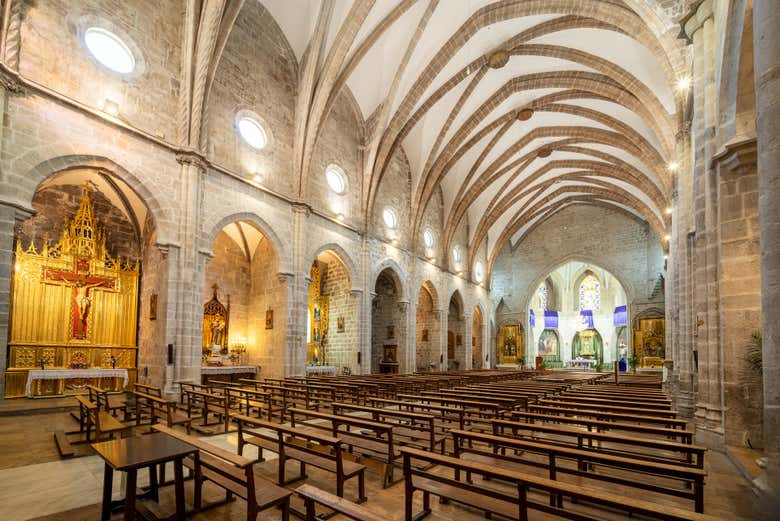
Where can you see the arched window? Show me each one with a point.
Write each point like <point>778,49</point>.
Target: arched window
<point>541,292</point>
<point>590,293</point>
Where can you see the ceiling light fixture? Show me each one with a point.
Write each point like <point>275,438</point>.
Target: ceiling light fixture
<point>673,166</point>
<point>525,114</point>
<point>668,237</point>
<point>669,210</point>
<point>684,84</point>
<point>110,107</point>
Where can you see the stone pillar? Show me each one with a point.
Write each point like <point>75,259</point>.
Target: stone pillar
<point>296,351</point>
<point>467,347</point>
<point>186,277</point>
<point>404,347</point>
<point>709,407</point>
<point>442,320</point>
<point>766,39</point>
<point>366,348</point>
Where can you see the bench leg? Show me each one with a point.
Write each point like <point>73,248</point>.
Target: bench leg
<point>285,507</point>
<point>108,481</point>
<point>178,472</point>
<point>362,488</point>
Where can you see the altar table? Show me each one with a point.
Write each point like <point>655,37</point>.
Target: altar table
<point>108,379</point>
<point>583,362</point>
<point>229,372</point>
<point>321,369</point>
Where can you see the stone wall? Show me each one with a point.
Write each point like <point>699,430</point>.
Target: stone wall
<point>342,347</point>
<point>267,347</point>
<point>230,270</point>
<point>53,53</point>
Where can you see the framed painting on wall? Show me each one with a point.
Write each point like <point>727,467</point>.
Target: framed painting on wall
<point>269,319</point>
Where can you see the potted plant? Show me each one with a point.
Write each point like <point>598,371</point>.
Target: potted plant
<point>633,362</point>
<point>520,361</point>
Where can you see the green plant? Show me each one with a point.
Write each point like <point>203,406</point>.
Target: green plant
<point>753,355</point>
<point>520,360</point>
<point>633,361</point>
<point>599,366</point>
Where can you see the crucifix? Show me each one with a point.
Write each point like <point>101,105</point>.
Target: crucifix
<point>82,282</point>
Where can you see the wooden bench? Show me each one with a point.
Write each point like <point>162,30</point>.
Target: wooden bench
<point>409,428</point>
<point>313,496</point>
<point>691,478</point>
<point>209,403</point>
<point>232,472</point>
<point>515,503</point>
<point>248,400</point>
<point>447,417</point>
<point>101,398</point>
<point>633,446</point>
<point>160,408</point>
<point>572,403</point>
<point>304,446</point>
<point>685,436</point>
<point>372,440</point>
<point>604,415</point>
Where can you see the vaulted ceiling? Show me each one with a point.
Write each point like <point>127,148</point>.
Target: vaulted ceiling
<point>515,109</point>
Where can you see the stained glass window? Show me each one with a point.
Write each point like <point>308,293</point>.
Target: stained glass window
<point>541,291</point>
<point>590,293</point>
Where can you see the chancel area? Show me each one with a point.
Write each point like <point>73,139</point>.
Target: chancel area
<point>389,260</point>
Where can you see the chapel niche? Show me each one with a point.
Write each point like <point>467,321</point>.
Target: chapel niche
<point>76,282</point>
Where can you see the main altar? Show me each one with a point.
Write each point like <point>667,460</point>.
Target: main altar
<point>73,308</point>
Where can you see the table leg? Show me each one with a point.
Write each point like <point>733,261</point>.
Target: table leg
<point>132,475</point>
<point>108,481</point>
<point>178,473</point>
<point>153,491</point>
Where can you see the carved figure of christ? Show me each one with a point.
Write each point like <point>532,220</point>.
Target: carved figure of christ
<point>81,284</point>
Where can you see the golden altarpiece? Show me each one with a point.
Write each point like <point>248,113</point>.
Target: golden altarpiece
<point>73,306</point>
<point>510,344</point>
<point>318,319</point>
<point>650,341</point>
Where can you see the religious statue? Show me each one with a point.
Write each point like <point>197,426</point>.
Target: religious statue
<point>217,331</point>
<point>81,299</point>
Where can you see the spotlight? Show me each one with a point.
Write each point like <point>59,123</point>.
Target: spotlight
<point>673,166</point>
<point>684,84</point>
<point>258,178</point>
<point>669,210</point>
<point>668,237</point>
<point>110,107</point>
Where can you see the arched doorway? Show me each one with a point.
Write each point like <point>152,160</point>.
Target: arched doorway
<point>332,311</point>
<point>478,357</point>
<point>388,324</point>
<point>77,282</point>
<point>428,333</point>
<point>456,326</point>
<point>245,302</point>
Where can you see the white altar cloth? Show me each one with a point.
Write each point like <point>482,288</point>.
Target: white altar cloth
<point>63,374</point>
<point>228,369</point>
<point>321,369</point>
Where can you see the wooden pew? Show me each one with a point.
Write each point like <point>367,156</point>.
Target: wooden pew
<point>515,503</point>
<point>685,436</point>
<point>158,408</point>
<point>232,472</point>
<point>313,496</point>
<point>409,428</point>
<point>247,399</point>
<point>603,406</point>
<point>304,446</point>
<point>447,417</point>
<point>371,440</point>
<point>604,415</point>
<point>632,446</point>
<point>209,403</point>
<point>608,465</point>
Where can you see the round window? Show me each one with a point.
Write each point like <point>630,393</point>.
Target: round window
<point>252,132</point>
<point>428,238</point>
<point>456,254</point>
<point>109,50</point>
<point>390,218</point>
<point>479,271</point>
<point>336,179</point>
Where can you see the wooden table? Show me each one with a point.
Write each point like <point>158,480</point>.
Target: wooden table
<point>129,455</point>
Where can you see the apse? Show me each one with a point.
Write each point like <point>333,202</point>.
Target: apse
<point>577,316</point>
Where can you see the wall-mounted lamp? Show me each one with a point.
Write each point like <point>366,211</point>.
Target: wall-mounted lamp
<point>110,107</point>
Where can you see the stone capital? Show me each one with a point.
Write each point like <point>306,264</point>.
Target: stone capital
<point>738,157</point>
<point>285,277</point>
<point>10,82</point>
<point>193,159</point>
<point>698,13</point>
<point>301,208</point>
<point>165,249</point>
<point>356,292</point>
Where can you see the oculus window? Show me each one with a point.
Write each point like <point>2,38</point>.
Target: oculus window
<point>252,132</point>
<point>336,179</point>
<point>390,218</point>
<point>109,50</point>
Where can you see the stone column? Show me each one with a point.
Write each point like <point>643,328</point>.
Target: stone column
<point>403,337</point>
<point>187,275</point>
<point>366,348</point>
<point>296,351</point>
<point>709,407</point>
<point>357,294</point>
<point>766,40</point>
<point>467,333</point>
<point>441,360</point>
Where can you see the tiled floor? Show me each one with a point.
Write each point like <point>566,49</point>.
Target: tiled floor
<point>34,483</point>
